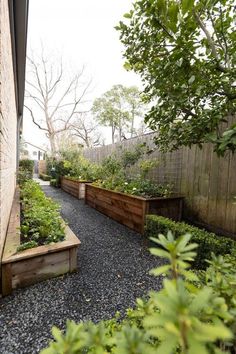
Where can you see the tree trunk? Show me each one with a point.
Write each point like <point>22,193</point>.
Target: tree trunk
<point>52,144</point>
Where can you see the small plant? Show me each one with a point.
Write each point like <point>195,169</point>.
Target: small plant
<point>181,318</point>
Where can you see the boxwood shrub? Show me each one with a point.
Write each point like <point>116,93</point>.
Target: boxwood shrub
<point>208,242</point>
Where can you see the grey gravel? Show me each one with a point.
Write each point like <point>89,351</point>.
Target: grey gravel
<point>113,262</point>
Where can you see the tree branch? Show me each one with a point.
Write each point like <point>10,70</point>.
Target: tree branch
<point>33,119</point>
<point>210,42</point>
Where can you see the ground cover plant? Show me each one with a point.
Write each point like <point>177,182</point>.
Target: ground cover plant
<point>188,316</point>
<point>41,222</point>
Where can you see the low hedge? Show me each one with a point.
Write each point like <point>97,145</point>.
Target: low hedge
<point>208,242</point>
<point>54,182</point>
<point>45,177</point>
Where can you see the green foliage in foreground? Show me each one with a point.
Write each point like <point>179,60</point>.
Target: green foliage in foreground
<point>181,318</point>
<point>41,221</point>
<point>207,241</point>
<point>185,54</point>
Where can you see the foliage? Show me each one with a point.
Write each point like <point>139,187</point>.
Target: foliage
<point>185,54</point>
<point>41,222</point>
<point>25,171</point>
<point>118,108</point>
<point>207,241</point>
<point>54,182</point>
<point>181,318</point>
<point>115,174</point>
<point>44,177</point>
<point>73,165</point>
<point>27,245</point>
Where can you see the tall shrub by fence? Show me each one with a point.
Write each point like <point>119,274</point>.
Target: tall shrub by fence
<point>207,181</point>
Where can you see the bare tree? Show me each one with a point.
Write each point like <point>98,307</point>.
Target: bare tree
<point>86,130</point>
<point>52,99</point>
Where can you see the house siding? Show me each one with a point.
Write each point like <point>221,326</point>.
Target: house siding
<point>8,123</point>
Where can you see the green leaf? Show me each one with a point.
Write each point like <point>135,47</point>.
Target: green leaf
<point>187,5</point>
<point>160,270</point>
<point>192,79</point>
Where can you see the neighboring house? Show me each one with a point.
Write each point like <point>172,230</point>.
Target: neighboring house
<point>13,36</point>
<point>32,152</point>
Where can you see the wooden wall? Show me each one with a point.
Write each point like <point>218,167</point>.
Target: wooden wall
<point>207,181</point>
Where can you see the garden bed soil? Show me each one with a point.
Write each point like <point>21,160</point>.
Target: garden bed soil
<point>20,269</point>
<point>73,187</point>
<point>131,210</point>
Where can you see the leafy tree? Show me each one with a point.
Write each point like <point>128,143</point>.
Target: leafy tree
<point>185,53</point>
<point>118,108</point>
<point>135,106</point>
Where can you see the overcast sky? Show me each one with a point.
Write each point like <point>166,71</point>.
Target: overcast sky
<point>83,32</point>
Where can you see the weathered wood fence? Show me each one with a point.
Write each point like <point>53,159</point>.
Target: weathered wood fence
<point>207,181</point>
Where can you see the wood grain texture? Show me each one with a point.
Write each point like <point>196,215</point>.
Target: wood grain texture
<point>206,181</point>
<point>130,210</point>
<point>72,187</point>
<point>24,268</point>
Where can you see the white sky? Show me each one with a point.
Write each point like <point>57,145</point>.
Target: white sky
<point>83,31</point>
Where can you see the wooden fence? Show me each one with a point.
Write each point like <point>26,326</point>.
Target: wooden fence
<point>42,167</point>
<point>207,181</point>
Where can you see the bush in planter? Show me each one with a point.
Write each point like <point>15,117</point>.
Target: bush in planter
<point>181,318</point>
<point>114,178</point>
<point>207,241</point>
<point>41,222</point>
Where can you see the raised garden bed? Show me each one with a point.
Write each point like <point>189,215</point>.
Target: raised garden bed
<point>131,210</point>
<point>20,269</point>
<point>73,187</point>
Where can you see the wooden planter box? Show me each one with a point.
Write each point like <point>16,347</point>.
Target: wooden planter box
<point>75,188</point>
<point>130,210</point>
<point>20,269</point>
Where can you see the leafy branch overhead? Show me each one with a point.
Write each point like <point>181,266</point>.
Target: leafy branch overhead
<point>185,54</point>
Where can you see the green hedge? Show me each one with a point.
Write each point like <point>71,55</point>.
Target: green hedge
<point>44,177</point>
<point>207,241</point>
<point>54,182</point>
<point>25,171</point>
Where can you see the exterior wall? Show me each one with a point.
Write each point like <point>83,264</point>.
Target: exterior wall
<point>8,123</point>
<point>32,152</point>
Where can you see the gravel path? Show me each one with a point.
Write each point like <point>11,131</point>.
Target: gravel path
<point>113,271</point>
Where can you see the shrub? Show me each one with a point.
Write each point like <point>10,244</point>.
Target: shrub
<point>207,241</point>
<point>54,182</point>
<point>181,318</point>
<point>44,177</point>
<point>41,222</point>
<point>25,171</point>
